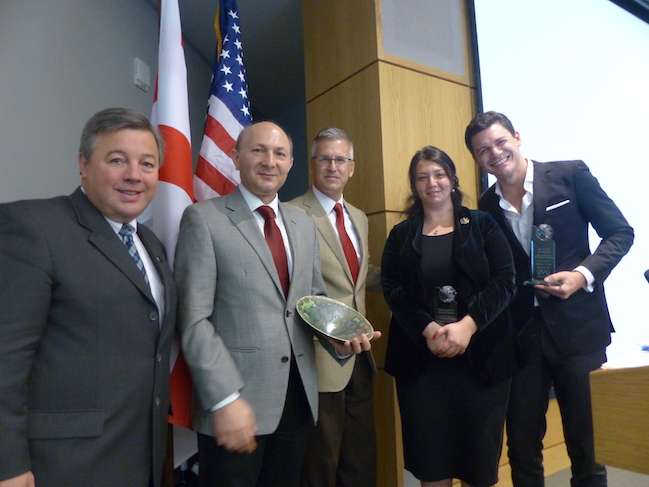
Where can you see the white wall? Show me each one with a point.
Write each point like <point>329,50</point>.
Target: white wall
<point>60,62</point>
<point>573,77</point>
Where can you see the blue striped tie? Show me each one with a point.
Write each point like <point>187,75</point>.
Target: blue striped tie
<point>126,232</point>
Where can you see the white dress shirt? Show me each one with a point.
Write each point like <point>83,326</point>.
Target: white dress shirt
<point>155,283</point>
<point>254,203</point>
<point>328,205</point>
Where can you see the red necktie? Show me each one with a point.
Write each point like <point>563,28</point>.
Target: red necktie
<point>348,247</point>
<point>276,244</point>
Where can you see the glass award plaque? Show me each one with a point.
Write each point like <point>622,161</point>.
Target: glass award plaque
<point>445,305</point>
<point>542,256</point>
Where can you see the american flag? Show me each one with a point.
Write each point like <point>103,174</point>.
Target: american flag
<point>228,108</point>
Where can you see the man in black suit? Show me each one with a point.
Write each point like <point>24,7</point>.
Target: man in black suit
<point>87,311</point>
<point>564,329</point>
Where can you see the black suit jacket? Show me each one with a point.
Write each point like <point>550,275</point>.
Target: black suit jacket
<point>84,359</point>
<point>485,286</point>
<point>568,197</point>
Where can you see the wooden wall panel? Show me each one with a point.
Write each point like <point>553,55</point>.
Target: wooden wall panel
<point>419,110</point>
<point>390,465</point>
<point>340,39</point>
<point>354,106</point>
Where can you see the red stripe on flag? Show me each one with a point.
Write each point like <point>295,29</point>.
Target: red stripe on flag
<point>215,131</point>
<point>177,168</point>
<point>181,394</point>
<point>213,178</point>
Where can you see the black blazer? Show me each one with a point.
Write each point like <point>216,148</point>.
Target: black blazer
<point>568,197</point>
<point>484,283</point>
<point>84,357</point>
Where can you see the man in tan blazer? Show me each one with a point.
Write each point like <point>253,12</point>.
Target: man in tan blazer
<point>342,446</point>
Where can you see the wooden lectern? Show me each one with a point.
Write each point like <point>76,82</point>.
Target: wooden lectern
<point>621,417</point>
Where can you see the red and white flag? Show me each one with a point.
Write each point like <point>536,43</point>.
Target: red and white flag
<point>175,192</point>
<point>228,108</point>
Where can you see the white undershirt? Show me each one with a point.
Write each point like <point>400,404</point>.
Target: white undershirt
<point>328,205</point>
<point>253,203</point>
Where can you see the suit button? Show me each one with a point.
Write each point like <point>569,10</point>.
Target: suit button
<point>157,402</point>
<point>159,357</point>
<point>153,315</point>
<point>284,359</point>
<point>288,313</point>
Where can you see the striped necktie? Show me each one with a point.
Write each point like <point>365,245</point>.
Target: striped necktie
<point>126,232</point>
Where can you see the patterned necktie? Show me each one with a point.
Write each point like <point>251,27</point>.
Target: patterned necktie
<point>348,246</point>
<point>126,232</point>
<point>276,244</point>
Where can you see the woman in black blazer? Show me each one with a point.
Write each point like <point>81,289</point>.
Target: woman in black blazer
<point>451,361</point>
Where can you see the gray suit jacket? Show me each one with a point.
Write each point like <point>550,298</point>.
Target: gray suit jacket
<point>84,359</point>
<point>339,283</point>
<point>237,328</point>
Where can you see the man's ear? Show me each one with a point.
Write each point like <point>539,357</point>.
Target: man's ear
<point>234,155</point>
<point>83,163</point>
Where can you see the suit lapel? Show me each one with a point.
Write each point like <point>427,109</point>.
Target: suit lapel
<point>244,220</point>
<point>315,210</point>
<point>106,240</point>
<point>160,263</point>
<point>541,186</point>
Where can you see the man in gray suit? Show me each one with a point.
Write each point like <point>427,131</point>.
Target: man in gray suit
<point>342,447</point>
<point>87,311</point>
<point>242,262</point>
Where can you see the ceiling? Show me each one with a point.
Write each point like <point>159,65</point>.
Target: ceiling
<point>271,33</point>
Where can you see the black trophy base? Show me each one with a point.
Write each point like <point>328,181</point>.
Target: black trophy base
<point>540,282</point>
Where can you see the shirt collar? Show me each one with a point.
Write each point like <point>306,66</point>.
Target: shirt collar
<point>326,202</point>
<point>528,183</point>
<point>117,226</point>
<point>254,202</point>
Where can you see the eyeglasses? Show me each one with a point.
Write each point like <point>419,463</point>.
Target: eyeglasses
<point>326,160</point>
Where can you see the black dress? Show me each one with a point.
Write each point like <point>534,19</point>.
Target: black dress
<point>452,421</point>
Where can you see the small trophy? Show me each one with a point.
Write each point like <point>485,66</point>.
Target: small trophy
<point>542,255</point>
<point>445,305</point>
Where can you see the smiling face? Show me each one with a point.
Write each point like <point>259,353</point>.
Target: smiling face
<point>121,176</point>
<point>263,158</point>
<point>432,185</point>
<point>498,152</point>
<point>331,178</point>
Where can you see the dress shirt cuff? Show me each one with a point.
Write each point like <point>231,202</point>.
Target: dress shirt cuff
<point>231,398</point>
<point>341,356</point>
<point>590,279</point>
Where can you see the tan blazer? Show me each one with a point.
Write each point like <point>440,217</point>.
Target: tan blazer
<point>338,281</point>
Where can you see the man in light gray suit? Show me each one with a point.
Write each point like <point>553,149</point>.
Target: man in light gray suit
<point>240,269</point>
<point>342,447</point>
